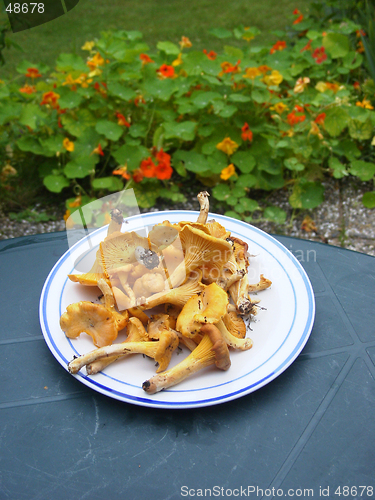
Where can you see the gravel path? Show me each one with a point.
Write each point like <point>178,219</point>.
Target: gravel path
<point>341,220</point>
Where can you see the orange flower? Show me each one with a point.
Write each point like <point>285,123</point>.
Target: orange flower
<point>227,146</point>
<point>145,59</point>
<point>68,145</point>
<point>139,100</point>
<point>163,157</point>
<point>293,119</point>
<point>252,73</point>
<point>320,119</point>
<point>27,89</point>
<point>298,20</point>
<point>185,43</point>
<point>307,46</point>
<point>228,172</point>
<point>279,45</point>
<point>76,202</point>
<point>148,168</point>
<point>98,150</point>
<point>247,134</point>
<point>33,73</point>
<point>264,69</point>
<point>228,67</point>
<point>319,55</point>
<point>364,104</point>
<point>163,171</point>
<point>121,120</point>
<point>300,85</point>
<point>100,89</point>
<point>356,85</point>
<point>123,171</point>
<point>211,55</point>
<point>137,176</point>
<point>166,71</point>
<point>95,61</point>
<point>50,98</point>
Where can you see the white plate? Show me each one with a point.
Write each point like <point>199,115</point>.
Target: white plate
<point>279,333</point>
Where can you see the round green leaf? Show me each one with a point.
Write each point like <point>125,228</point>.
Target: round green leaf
<point>362,169</point>
<point>55,183</point>
<point>336,120</point>
<point>110,183</point>
<point>70,100</point>
<point>110,130</point>
<point>193,161</point>
<point>246,205</point>
<point>169,48</point>
<point>244,160</point>
<point>338,169</point>
<point>368,199</point>
<point>220,32</point>
<point>275,214</point>
<point>79,168</point>
<point>183,130</point>
<point>122,91</point>
<point>221,192</point>
<point>336,45</point>
<point>307,195</point>
<point>294,164</point>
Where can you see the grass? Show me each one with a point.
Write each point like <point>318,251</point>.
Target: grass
<point>157,20</point>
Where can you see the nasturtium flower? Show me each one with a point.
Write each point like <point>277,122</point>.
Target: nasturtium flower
<point>77,202</point>
<point>264,69</point>
<point>294,118</point>
<point>228,172</point>
<point>121,120</point>
<point>27,89</point>
<point>7,171</point>
<point>88,46</point>
<point>227,146</point>
<point>247,134</point>
<point>166,71</point>
<point>323,86</point>
<point>227,67</point>
<point>315,130</point>
<point>320,119</point>
<point>252,73</point>
<point>138,175</point>
<point>163,171</point>
<point>296,12</point>
<point>211,55</point>
<point>279,45</point>
<point>98,150</point>
<point>68,145</point>
<point>148,168</point>
<point>185,43</point>
<point>364,104</point>
<point>139,100</point>
<point>145,58</point>
<point>178,61</point>
<point>94,64</point>
<point>319,55</point>
<point>123,171</point>
<point>307,46</point>
<point>163,157</point>
<point>301,84</point>
<point>279,107</point>
<point>50,98</point>
<point>275,78</point>
<point>33,73</point>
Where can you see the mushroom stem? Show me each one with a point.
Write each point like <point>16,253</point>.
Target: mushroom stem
<point>116,221</point>
<point>211,350</point>
<point>205,206</point>
<point>147,348</point>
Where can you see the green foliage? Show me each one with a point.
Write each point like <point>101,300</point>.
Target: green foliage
<point>243,121</point>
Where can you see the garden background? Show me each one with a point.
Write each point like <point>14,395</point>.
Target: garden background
<point>269,107</point>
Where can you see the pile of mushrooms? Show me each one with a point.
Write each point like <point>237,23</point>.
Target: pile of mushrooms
<point>184,284</point>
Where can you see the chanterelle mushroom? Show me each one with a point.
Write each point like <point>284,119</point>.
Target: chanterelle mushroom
<point>208,307</point>
<point>200,248</point>
<point>211,350</point>
<point>90,318</point>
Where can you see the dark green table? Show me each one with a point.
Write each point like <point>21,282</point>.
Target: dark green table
<point>309,433</point>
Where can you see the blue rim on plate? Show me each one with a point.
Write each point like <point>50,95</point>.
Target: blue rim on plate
<point>294,298</point>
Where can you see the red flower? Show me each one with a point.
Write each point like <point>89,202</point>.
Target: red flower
<point>307,46</point>
<point>28,89</point>
<point>356,85</point>
<point>137,176</point>
<point>279,45</point>
<point>148,168</point>
<point>227,67</point>
<point>296,12</point>
<point>293,119</point>
<point>163,157</point>
<point>211,55</point>
<point>98,150</point>
<point>298,20</point>
<point>33,73</point>
<point>166,71</point>
<point>146,59</point>
<point>139,100</point>
<point>163,171</point>
<point>247,134</point>
<point>121,120</point>
<point>50,98</point>
<point>319,55</point>
<point>320,119</point>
